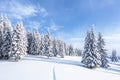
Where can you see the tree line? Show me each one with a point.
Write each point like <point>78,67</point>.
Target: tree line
<point>16,42</point>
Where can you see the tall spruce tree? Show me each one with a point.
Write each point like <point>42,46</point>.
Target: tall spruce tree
<point>78,52</point>
<point>71,50</point>
<point>19,42</point>
<point>1,33</point>
<point>35,43</point>
<point>91,58</point>
<point>29,38</point>
<point>102,51</point>
<point>47,44</point>
<point>54,47</point>
<point>65,47</point>
<point>42,48</point>
<point>61,49</point>
<point>7,39</point>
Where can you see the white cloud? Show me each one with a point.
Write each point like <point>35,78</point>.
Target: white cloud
<point>43,11</point>
<point>95,4</point>
<point>18,10</point>
<point>54,26</point>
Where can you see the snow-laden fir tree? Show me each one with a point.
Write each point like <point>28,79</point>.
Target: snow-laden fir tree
<point>47,44</point>
<point>54,47</point>
<point>42,49</point>
<point>7,39</point>
<point>29,38</point>
<point>31,43</point>
<point>65,48</point>
<point>102,51</point>
<point>78,52</point>
<point>61,49</point>
<point>1,33</point>
<point>91,58</point>
<point>19,42</point>
<point>25,41</point>
<point>114,57</point>
<point>35,43</point>
<point>71,50</point>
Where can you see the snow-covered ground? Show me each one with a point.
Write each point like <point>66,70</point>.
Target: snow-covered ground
<point>42,68</point>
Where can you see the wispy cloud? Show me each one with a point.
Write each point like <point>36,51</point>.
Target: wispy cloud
<point>54,26</point>
<point>43,11</point>
<point>16,9</point>
<point>95,4</point>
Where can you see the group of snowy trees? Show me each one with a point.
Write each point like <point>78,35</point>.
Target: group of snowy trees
<point>94,54</point>
<point>45,45</point>
<point>15,42</point>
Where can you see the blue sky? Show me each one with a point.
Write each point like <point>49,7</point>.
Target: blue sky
<point>68,19</point>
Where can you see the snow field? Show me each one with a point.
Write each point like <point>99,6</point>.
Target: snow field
<point>68,68</point>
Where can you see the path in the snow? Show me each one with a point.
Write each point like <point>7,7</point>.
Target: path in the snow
<point>53,74</point>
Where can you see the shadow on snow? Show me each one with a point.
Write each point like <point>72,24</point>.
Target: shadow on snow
<point>53,60</point>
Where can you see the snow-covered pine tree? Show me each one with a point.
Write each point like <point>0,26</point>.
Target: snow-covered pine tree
<point>38,42</point>
<point>78,52</point>
<point>91,58</point>
<point>86,48</point>
<point>29,38</point>
<point>5,29</point>
<point>7,39</point>
<point>102,51</point>
<point>42,50</point>
<point>19,42</point>
<point>114,57</point>
<point>67,50</point>
<point>61,49</point>
<point>71,50</point>
<point>47,44</point>
<point>54,47</point>
<point>1,33</point>
<point>35,43</point>
<point>25,41</point>
<point>65,47</point>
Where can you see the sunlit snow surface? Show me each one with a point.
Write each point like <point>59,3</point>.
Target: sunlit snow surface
<point>42,68</point>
